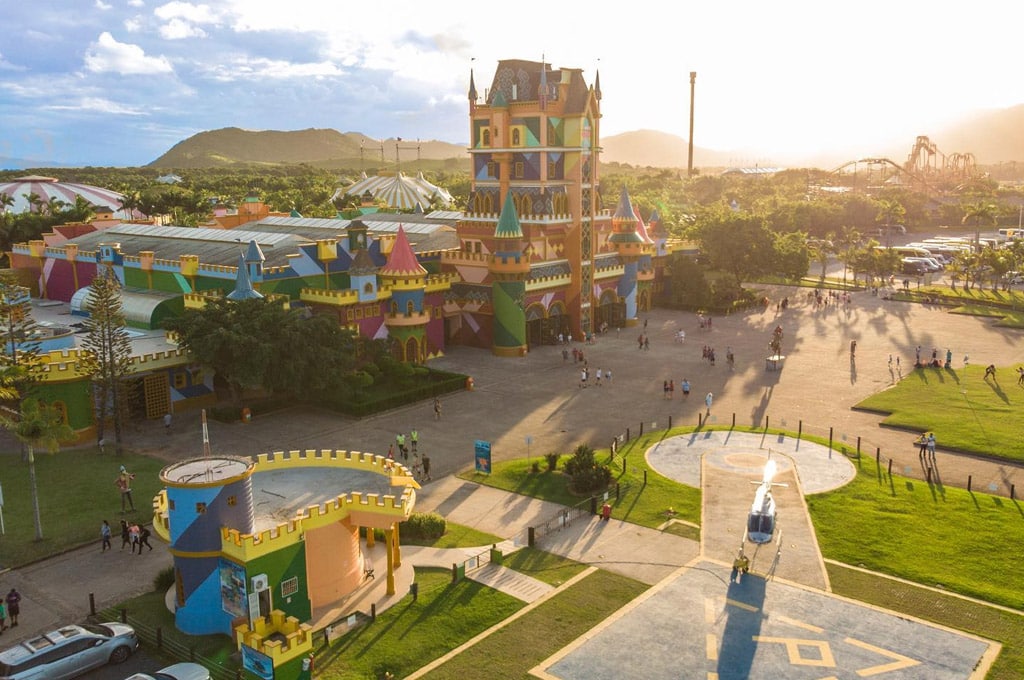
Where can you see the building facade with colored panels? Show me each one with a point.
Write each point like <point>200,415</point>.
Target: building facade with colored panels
<point>536,252</point>
<point>262,545</point>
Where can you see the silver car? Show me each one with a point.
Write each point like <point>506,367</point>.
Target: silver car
<point>179,671</point>
<point>68,652</point>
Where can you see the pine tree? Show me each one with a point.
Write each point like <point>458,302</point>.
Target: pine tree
<point>110,352</point>
<point>19,360</point>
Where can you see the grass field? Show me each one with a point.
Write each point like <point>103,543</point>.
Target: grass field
<point>76,493</point>
<point>645,496</point>
<point>938,536</point>
<point>965,411</point>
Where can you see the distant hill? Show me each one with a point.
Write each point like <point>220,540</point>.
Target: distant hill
<point>651,148</point>
<point>227,146</point>
<point>992,136</point>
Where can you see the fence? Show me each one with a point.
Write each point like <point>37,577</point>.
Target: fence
<point>169,645</point>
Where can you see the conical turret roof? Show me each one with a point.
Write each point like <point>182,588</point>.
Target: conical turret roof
<point>243,285</point>
<point>508,221</point>
<point>402,261</point>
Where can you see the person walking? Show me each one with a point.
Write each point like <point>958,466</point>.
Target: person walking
<point>426,467</point>
<point>414,440</point>
<point>133,534</point>
<point>167,422</point>
<point>931,445</point>
<point>437,409</point>
<point>13,601</point>
<point>144,538</point>
<point>708,399</point>
<point>126,536</point>
<point>686,387</point>
<point>3,617</point>
<point>105,536</point>
<point>124,485</point>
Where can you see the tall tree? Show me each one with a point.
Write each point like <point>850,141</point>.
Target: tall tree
<point>37,425</point>
<point>110,352</point>
<point>977,213</point>
<point>20,356</point>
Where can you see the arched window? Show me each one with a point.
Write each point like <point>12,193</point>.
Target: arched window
<point>410,309</point>
<point>485,137</point>
<point>394,308</point>
<point>516,137</point>
<point>368,288</point>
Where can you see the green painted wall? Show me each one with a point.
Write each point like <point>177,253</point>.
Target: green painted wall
<point>76,397</point>
<point>280,566</point>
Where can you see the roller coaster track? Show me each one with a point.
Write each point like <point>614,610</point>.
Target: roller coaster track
<point>924,165</point>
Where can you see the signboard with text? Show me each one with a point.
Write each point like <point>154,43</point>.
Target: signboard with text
<point>482,456</point>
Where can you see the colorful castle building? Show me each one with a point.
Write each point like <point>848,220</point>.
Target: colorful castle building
<point>536,253</point>
<point>263,547</point>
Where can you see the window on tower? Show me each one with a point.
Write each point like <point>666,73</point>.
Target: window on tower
<point>485,137</point>
<point>519,170</point>
<point>516,138</point>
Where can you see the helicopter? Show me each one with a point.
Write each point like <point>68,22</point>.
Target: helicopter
<point>761,520</point>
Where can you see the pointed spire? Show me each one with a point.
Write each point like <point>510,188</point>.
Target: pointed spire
<point>254,253</point>
<point>543,87</point>
<point>508,221</point>
<point>641,229</point>
<point>472,88</point>
<point>597,85</point>
<point>624,221</point>
<point>243,285</point>
<point>402,261</point>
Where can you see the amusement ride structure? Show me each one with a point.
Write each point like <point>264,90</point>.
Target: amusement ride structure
<point>926,169</point>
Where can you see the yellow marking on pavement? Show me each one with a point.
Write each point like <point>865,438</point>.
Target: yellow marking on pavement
<point>742,605</point>
<point>799,624</point>
<point>710,611</point>
<point>711,646</point>
<point>793,645</point>
<point>900,662</point>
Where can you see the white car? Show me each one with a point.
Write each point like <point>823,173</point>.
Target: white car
<point>68,652</point>
<point>179,671</point>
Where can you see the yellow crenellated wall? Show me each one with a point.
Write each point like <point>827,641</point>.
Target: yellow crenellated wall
<point>370,510</point>
<point>298,637</point>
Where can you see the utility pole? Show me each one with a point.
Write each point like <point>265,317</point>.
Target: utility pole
<point>689,162</point>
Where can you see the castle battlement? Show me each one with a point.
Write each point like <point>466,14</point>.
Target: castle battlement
<point>541,282</point>
<point>329,297</point>
<point>244,547</point>
<point>266,634</point>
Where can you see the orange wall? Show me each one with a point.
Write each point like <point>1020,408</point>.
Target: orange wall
<point>334,565</point>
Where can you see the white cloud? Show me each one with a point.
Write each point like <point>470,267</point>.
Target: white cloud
<point>186,11</point>
<point>136,3</point>
<point>99,105</point>
<point>8,66</point>
<point>275,69</point>
<point>133,24</point>
<point>177,29</point>
<point>109,55</point>
<point>102,5</point>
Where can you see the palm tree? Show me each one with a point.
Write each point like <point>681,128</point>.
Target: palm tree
<point>6,202</point>
<point>37,425</point>
<point>977,213</point>
<point>890,213</point>
<point>35,201</point>
<point>849,239</point>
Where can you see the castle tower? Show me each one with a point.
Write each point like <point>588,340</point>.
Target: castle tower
<point>243,284</point>
<point>509,268</point>
<point>362,272</point>
<point>630,246</point>
<point>204,494</point>
<point>407,316</point>
<point>535,137</point>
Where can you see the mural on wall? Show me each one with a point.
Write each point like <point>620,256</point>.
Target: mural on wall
<point>232,588</point>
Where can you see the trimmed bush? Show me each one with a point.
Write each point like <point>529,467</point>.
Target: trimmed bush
<point>552,460</point>
<point>587,475</point>
<point>164,579</point>
<point>424,525</point>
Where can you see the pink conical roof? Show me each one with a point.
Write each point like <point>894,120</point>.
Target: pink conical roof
<point>641,228</point>
<point>402,261</point>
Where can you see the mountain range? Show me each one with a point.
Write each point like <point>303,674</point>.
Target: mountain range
<point>992,137</point>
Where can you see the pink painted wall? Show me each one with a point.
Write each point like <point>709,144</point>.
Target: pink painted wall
<point>334,566</point>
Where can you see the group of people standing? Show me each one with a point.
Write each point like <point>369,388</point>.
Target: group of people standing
<point>132,534</point>
<point>420,465</point>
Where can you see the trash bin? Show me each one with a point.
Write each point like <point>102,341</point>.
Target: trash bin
<point>606,512</point>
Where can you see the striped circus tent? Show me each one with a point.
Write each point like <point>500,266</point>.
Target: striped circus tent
<point>47,188</point>
<point>398,191</point>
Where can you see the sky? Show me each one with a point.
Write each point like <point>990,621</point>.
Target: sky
<point>119,82</point>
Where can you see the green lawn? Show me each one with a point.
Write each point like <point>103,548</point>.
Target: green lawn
<point>411,634</point>
<point>938,536</point>
<point>642,503</point>
<point>965,411</point>
<point>76,493</point>
<point>510,652</point>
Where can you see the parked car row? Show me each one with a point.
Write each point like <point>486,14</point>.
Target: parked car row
<point>71,651</point>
